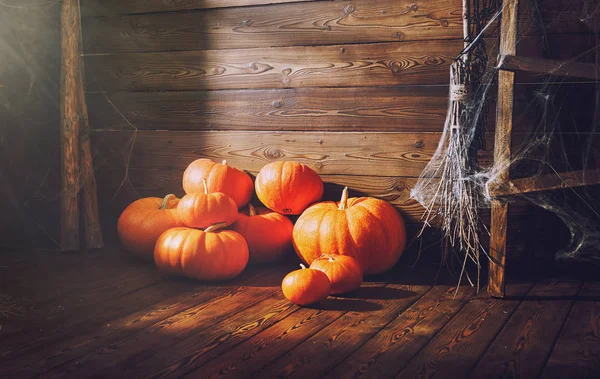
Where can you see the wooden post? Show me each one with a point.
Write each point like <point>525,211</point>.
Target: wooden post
<point>502,150</point>
<point>70,125</point>
<point>76,131</point>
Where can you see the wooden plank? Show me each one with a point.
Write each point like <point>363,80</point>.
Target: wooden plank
<point>458,346</point>
<point>362,65</point>
<point>274,341</point>
<point>206,318</point>
<point>328,153</point>
<point>522,347</point>
<point>392,348</point>
<point>577,350</point>
<point>502,148</point>
<point>133,313</point>
<point>417,109</point>
<point>211,342</point>
<point>549,66</point>
<point>108,7</point>
<point>313,23</point>
<point>340,338</point>
<point>547,182</point>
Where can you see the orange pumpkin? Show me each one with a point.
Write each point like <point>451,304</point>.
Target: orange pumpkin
<point>201,210</point>
<point>288,187</point>
<point>343,271</point>
<point>305,286</point>
<point>365,228</point>
<point>144,220</point>
<point>211,254</point>
<point>269,234</point>
<point>220,177</point>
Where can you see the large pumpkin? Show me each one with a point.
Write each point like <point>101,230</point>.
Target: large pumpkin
<point>365,228</point>
<point>144,220</point>
<point>268,233</point>
<point>288,187</point>
<point>201,210</point>
<point>211,254</point>
<point>220,177</point>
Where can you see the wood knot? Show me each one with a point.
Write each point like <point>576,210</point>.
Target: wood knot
<point>383,11</point>
<point>349,9</point>
<point>414,8</point>
<point>419,144</point>
<point>273,153</point>
<point>400,186</point>
<point>218,70</point>
<point>246,22</point>
<point>432,61</point>
<point>398,35</point>
<point>277,104</point>
<point>253,66</point>
<point>319,165</point>
<point>444,23</point>
<point>342,50</point>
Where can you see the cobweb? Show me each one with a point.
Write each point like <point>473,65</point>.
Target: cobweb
<point>555,130</point>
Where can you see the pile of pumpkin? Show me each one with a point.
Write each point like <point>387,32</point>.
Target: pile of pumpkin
<point>213,231</point>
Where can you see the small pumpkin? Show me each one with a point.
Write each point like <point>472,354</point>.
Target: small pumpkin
<point>305,286</point>
<point>268,233</point>
<point>201,210</point>
<point>211,254</point>
<point>343,271</point>
<point>365,228</point>
<point>144,220</point>
<point>220,177</point>
<point>288,187</point>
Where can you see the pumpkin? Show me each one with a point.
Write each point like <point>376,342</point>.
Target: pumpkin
<point>305,286</point>
<point>201,210</point>
<point>144,220</point>
<point>288,187</point>
<point>211,254</point>
<point>365,228</point>
<point>343,271</point>
<point>220,177</point>
<point>269,234</point>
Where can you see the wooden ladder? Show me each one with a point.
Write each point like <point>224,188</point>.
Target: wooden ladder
<point>502,186</point>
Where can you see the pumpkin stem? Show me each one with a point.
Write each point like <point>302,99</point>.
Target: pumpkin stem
<point>215,227</point>
<point>251,210</point>
<point>165,202</point>
<point>224,162</point>
<point>344,201</point>
<point>205,186</point>
<point>303,266</point>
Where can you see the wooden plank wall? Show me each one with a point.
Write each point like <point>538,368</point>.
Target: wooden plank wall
<point>355,89</point>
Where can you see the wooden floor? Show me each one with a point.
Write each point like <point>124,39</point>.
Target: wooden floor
<point>107,315</point>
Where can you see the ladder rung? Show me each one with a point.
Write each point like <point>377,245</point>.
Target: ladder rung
<point>549,66</point>
<point>545,183</point>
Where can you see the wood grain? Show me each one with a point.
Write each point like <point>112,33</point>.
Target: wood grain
<point>108,7</point>
<point>361,65</point>
<point>340,338</point>
<point>418,109</point>
<point>70,123</point>
<point>211,343</point>
<point>551,67</point>
<point>132,313</point>
<point>394,346</point>
<point>328,153</point>
<point>313,23</point>
<point>134,348</point>
<point>458,346</point>
<point>577,350</point>
<point>522,347</point>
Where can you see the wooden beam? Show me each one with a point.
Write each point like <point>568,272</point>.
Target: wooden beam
<point>70,125</point>
<point>502,149</point>
<point>546,182</point>
<point>549,66</point>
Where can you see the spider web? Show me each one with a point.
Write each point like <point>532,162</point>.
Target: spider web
<point>557,121</point>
